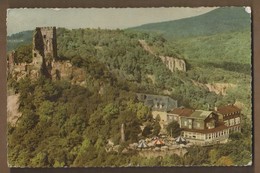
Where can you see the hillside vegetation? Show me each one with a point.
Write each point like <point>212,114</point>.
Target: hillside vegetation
<point>224,19</point>
<point>69,125</point>
<point>216,47</point>
<point>221,58</point>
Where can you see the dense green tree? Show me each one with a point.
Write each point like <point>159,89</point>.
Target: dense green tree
<point>40,160</point>
<point>196,155</point>
<point>156,128</point>
<point>147,131</point>
<point>173,129</point>
<point>235,136</point>
<point>24,54</point>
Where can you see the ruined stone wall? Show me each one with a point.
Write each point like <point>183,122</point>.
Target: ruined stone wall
<point>10,61</point>
<point>65,71</point>
<point>44,53</point>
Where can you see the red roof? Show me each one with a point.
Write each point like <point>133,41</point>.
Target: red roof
<point>228,109</point>
<point>182,111</point>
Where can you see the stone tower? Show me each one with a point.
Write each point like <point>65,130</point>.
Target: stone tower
<point>44,49</point>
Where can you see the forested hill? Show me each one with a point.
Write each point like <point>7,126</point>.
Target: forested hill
<point>21,38</point>
<point>220,20</point>
<point>59,118</point>
<point>122,53</point>
<point>226,19</point>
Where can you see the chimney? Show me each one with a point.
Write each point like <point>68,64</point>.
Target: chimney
<point>216,108</point>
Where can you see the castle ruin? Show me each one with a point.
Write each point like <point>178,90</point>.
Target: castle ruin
<point>44,49</point>
<point>44,60</point>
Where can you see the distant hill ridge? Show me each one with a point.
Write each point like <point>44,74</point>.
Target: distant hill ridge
<point>17,39</point>
<point>224,19</point>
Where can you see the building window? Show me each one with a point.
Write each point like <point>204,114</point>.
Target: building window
<point>226,123</point>
<point>44,36</point>
<point>237,120</point>
<point>185,123</point>
<point>232,122</point>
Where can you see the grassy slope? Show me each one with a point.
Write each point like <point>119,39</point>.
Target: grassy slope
<point>220,20</point>
<point>218,50</point>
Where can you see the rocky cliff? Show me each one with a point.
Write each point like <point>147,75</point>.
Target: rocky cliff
<point>218,88</point>
<point>12,108</point>
<point>171,63</point>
